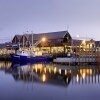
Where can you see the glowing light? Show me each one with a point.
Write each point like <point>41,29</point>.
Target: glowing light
<point>90,45</point>
<point>55,70</point>
<point>45,70</point>
<point>59,71</point>
<point>77,78</point>
<point>91,72</point>
<point>84,42</point>
<point>44,78</point>
<point>83,75</point>
<point>65,72</point>
<point>67,80</point>
<point>43,39</point>
<point>49,70</point>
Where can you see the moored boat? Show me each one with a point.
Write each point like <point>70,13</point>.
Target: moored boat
<point>29,56</point>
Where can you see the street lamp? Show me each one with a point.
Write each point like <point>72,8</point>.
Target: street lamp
<point>43,39</point>
<point>38,42</point>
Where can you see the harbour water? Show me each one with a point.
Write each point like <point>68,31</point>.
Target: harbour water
<point>49,81</point>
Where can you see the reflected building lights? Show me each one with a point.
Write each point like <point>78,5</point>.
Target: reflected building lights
<point>55,70</point>
<point>5,65</point>
<point>77,78</point>
<point>43,77</point>
<point>65,72</point>
<point>50,70</point>
<point>85,72</point>
<point>67,80</point>
<point>59,71</point>
<point>45,73</point>
<point>45,70</point>
<point>83,75</point>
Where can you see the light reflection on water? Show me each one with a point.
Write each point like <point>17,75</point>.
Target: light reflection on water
<point>49,81</point>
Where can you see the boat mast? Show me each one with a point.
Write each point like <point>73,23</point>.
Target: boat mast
<point>32,39</point>
<point>23,40</point>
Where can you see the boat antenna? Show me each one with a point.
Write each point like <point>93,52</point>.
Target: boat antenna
<point>23,39</point>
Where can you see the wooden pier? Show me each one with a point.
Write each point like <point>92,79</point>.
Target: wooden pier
<point>75,60</point>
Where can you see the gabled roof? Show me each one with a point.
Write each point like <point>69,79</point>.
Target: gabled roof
<point>76,42</point>
<point>18,37</point>
<point>27,36</point>
<point>49,35</point>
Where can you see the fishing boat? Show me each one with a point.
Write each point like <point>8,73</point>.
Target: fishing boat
<point>29,56</point>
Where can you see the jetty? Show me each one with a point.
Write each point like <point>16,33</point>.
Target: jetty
<point>76,60</point>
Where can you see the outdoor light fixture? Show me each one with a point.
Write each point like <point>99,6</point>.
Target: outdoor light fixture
<point>43,39</point>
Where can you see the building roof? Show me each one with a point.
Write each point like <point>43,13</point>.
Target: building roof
<point>76,42</point>
<point>27,36</point>
<point>49,35</point>
<point>18,36</point>
<point>55,38</point>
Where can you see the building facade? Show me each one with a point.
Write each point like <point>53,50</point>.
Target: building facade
<point>56,42</point>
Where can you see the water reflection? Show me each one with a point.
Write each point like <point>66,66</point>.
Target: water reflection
<point>48,81</point>
<point>42,73</point>
<point>49,73</point>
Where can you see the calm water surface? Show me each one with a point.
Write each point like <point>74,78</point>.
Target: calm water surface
<point>48,81</point>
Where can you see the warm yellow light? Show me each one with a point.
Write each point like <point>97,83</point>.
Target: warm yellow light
<point>55,70</point>
<point>90,45</point>
<point>83,75</point>
<point>65,72</point>
<point>45,70</point>
<point>77,78</point>
<point>43,39</point>
<point>49,70</point>
<point>84,42</point>
<point>44,78</point>
<point>59,71</point>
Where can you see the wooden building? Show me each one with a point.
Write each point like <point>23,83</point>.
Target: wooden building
<point>16,39</point>
<point>56,42</point>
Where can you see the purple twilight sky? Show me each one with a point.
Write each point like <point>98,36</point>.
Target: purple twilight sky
<point>18,16</point>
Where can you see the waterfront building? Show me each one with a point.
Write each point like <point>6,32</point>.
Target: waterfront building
<point>56,42</point>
